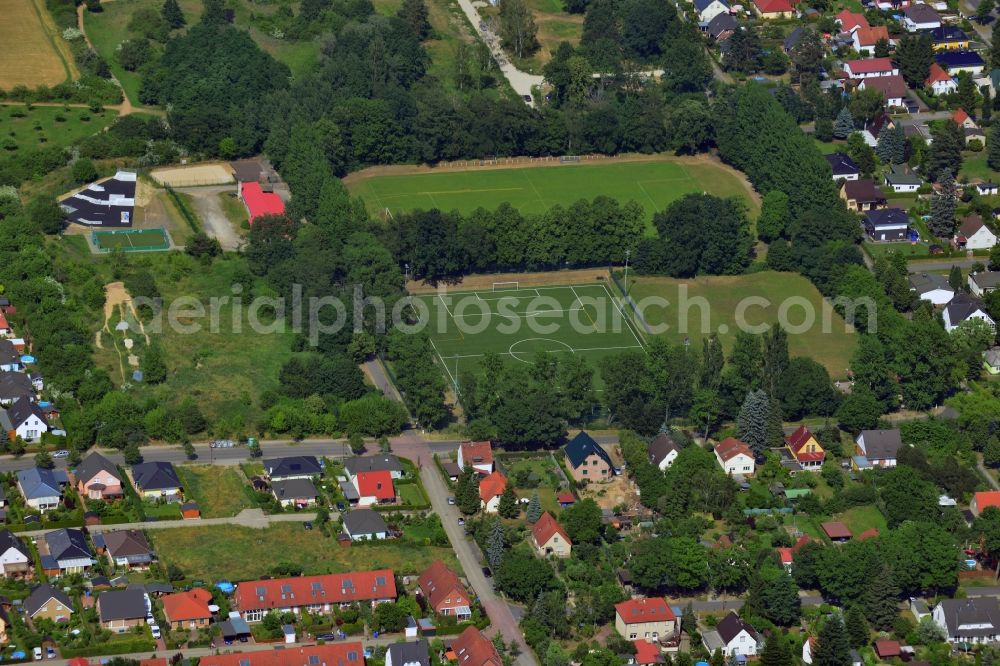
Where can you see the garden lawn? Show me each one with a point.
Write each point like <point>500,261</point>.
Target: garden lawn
<point>409,494</point>
<point>45,126</point>
<point>862,518</point>
<point>720,296</point>
<point>974,167</point>
<point>548,479</point>
<point>218,489</point>
<point>239,553</point>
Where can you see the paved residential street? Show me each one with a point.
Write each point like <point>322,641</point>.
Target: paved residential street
<point>942,265</point>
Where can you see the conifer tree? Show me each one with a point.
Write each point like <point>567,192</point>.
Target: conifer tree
<point>843,126</point>
<point>752,422</point>
<point>943,205</point>
<point>173,14</point>
<point>534,511</point>
<point>856,627</point>
<point>776,651</point>
<point>882,600</point>
<point>496,545</point>
<point>508,507</point>
<point>832,646</point>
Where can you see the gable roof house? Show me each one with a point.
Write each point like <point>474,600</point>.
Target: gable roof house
<point>870,68</point>
<point>862,195</point>
<point>188,610</point>
<point>887,224</point>
<point>157,479</point>
<point>878,447</point>
<point>649,618</point>
<point>963,308</point>
<point>735,457</point>
<point>128,548</point>
<point>974,620</point>
<point>365,525</point>
<point>317,594</point>
<point>949,38</point>
<point>5,329</point>
<point>973,234</point>
<point>587,460</point>
<point>380,463</point>
<point>733,637</point>
<point>15,558</point>
<point>721,27</point>
<point>292,467</point>
<point>866,37</point>
<point>991,360</point>
<point>983,500</point>
<point>851,21</point>
<point>107,203</point>
<point>549,538</point>
<point>471,648</point>
<point>479,455</point>
<point>955,62</point>
<point>120,610</point>
<point>411,653</point>
<point>444,592</point>
<point>920,17</point>
<point>805,448</point>
<point>983,282</point>
<point>986,188</point>
<point>490,490</point>
<point>10,360</point>
<point>48,602</point>
<point>932,288</point>
<point>26,420</point>
<point>901,179</point>
<point>663,451</point>
<point>843,167</point>
<point>41,488</point>
<point>15,385</point>
<point>298,493</point>
<point>709,9</point>
<point>330,654</point>
<point>65,551</point>
<point>374,488</point>
<point>939,81</point>
<point>98,478</point>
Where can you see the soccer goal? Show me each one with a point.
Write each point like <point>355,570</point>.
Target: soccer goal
<point>505,286</point>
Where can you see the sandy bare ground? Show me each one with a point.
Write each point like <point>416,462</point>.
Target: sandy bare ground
<point>208,207</point>
<point>193,175</point>
<point>117,299</point>
<point>481,281</point>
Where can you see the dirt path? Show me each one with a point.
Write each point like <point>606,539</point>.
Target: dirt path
<point>209,209</point>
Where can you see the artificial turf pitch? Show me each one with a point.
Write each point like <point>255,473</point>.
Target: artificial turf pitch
<point>131,239</point>
<point>517,323</point>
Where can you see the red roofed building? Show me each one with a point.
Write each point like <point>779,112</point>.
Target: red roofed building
<point>471,648</point>
<point>188,610</point>
<point>805,448</point>
<point>317,594</point>
<point>962,119</point>
<point>866,37</point>
<point>984,500</point>
<point>477,454</point>
<point>836,531</point>
<point>490,489</point>
<point>887,649</point>
<point>549,538</point>
<point>444,592</point>
<point>565,499</point>
<point>787,556</point>
<point>647,618</point>
<point>774,9</point>
<point>259,202</point>
<point>871,67</point>
<point>870,533</point>
<point>375,487</point>
<point>331,654</point>
<point>939,81</point>
<point>153,661</point>
<point>851,21</point>
<point>647,653</point>
<point>5,330</point>
<point>735,457</point>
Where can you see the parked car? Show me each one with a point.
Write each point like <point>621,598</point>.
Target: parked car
<point>50,654</point>
<point>461,521</point>
<point>37,653</point>
<point>487,572</point>
<point>340,507</point>
<point>62,453</point>
<point>156,631</point>
<point>326,637</point>
<point>451,500</point>
<point>307,525</point>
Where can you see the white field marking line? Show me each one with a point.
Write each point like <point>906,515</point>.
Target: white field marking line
<point>554,351</point>
<point>593,323</point>
<point>639,183</point>
<point>477,292</point>
<point>505,296</point>
<point>453,320</point>
<point>627,322</point>
<point>445,362</point>
<point>519,315</point>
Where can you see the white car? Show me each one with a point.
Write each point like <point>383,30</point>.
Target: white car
<point>62,453</point>
<point>156,631</point>
<point>37,653</point>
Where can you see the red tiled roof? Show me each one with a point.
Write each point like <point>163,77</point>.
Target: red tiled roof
<point>315,590</point>
<point>869,36</point>
<point>850,20</point>
<point>731,447</point>
<point>260,202</point>
<point>492,486</point>
<point>987,498</point>
<point>836,530</point>
<point>936,74</point>
<point>438,583</point>
<point>566,498</point>
<point>787,555</point>
<point>870,533</point>
<point>801,541</point>
<point>545,528</point>
<point>773,6</point>
<point>960,116</point>
<point>331,654</point>
<point>870,65</point>
<point>471,648</point>
<point>647,653</point>
<point>153,661</point>
<point>376,484</point>
<point>651,609</point>
<point>190,605</point>
<point>887,648</point>
<point>3,322</point>
<point>797,440</point>
<point>477,453</point>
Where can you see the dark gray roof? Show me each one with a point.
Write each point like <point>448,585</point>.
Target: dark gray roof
<point>881,444</point>
<point>962,307</point>
<point>582,446</point>
<point>127,543</point>
<point>22,409</point>
<point>842,165</point>
<point>364,521</point>
<point>720,24</point>
<point>793,38</point>
<point>122,605</point>
<point>986,279</point>
<point>900,174</point>
<point>14,385</point>
<point>94,463</point>
<point>887,217</point>
<point>67,544</point>
<point>105,204</point>
<point>294,488</point>
<point>37,482</point>
<point>660,447</point>
<point>155,475</point>
<point>247,170</point>
<point>921,13</point>
<point>9,540</point>
<point>413,652</point>
<point>8,353</point>
<point>381,463</point>
<point>41,595</point>
<point>923,283</point>
<point>731,626</point>
<point>971,618</point>
<point>234,626</point>
<point>292,466</point>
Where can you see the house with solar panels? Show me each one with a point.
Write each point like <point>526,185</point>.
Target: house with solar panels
<point>108,203</point>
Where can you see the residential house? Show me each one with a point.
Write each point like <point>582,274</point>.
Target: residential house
<point>587,460</point>
<point>709,9</point>
<point>843,167</point>
<point>939,81</point>
<point>932,288</point>
<point>15,558</point>
<point>792,39</point>
<point>48,602</point>
<point>490,490</point>
<point>317,594</point>
<point>878,447</point>
<point>870,68</point>
<point>410,653</point>
<point>887,225</point>
<point>850,22</point>
<point>65,551</point>
<point>15,385</point>
<point>805,448</point>
<point>5,330</point>
<point>735,457</point>
<point>983,500</point>
<point>328,654</point>
<point>963,308</point>
<point>98,478</point>
<point>983,282</point>
<point>866,37</point>
<point>444,592</point>
<point>991,360</point>
<point>721,27</point>
<point>478,455</point>
<point>292,467</point>
<point>663,451</point>
<point>188,610</point>
<point>973,234</point>
<point>379,463</point>
<point>549,538</point>
<point>987,188</point>
<point>949,38</point>
<point>41,488</point>
<point>128,549</point>
<point>774,9</point>
<point>974,620</point>
<point>120,610</point>
<point>963,119</point>
<point>862,195</point>
<point>901,179</point>
<point>26,420</point>
<point>975,134</point>
<point>374,488</point>
<point>836,531</point>
<point>955,62</point>
<point>297,493</point>
<point>157,479</point>
<point>649,618</point>
<point>733,637</point>
<point>365,525</point>
<point>471,648</point>
<point>920,17</point>
<point>10,359</point>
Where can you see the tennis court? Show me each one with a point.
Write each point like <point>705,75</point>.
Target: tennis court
<point>131,240</point>
<point>518,322</point>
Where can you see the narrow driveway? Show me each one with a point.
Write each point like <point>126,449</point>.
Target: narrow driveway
<point>521,82</point>
<point>987,473</point>
<point>209,209</point>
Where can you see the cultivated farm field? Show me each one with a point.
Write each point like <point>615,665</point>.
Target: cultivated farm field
<point>29,56</point>
<point>723,294</point>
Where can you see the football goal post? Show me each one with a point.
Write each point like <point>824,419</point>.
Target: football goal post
<point>505,286</point>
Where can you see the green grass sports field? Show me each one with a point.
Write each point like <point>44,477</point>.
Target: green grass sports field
<point>127,239</point>
<point>653,184</point>
<point>517,323</point>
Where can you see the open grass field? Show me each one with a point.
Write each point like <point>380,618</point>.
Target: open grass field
<point>703,305</point>
<point>862,518</point>
<point>228,552</point>
<point>218,489</point>
<point>132,239</point>
<point>517,323</point>
<point>653,183</point>
<point>44,126</point>
<point>974,167</point>
<point>29,56</point>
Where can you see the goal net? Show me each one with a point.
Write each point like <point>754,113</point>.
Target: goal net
<point>505,286</point>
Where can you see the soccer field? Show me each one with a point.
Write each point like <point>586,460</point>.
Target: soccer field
<point>131,240</point>
<point>652,184</point>
<point>517,323</point>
